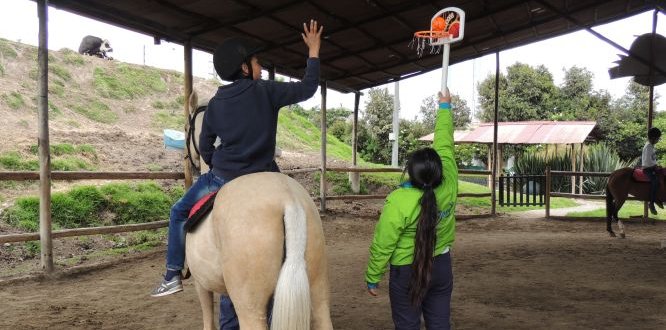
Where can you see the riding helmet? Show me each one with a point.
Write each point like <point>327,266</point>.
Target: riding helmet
<point>233,52</point>
<point>654,133</point>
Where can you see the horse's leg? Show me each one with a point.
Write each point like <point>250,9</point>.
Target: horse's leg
<point>207,308</point>
<point>318,275</point>
<point>619,222</point>
<point>321,313</point>
<point>621,225</point>
<point>610,212</point>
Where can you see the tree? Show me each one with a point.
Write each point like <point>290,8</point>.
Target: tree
<point>379,117</point>
<point>461,112</point>
<point>627,123</point>
<point>575,93</point>
<point>525,93</point>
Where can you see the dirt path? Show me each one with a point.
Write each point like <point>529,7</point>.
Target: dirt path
<point>583,206</point>
<point>510,273</point>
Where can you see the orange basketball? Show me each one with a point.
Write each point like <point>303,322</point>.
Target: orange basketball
<point>439,24</point>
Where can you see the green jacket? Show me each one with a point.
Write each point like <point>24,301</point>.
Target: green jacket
<point>396,230</point>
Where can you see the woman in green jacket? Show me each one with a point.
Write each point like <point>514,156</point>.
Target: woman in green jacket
<point>416,231</point>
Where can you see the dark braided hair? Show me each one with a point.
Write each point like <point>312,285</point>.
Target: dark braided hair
<point>425,172</point>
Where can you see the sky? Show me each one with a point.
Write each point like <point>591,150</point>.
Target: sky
<point>19,22</point>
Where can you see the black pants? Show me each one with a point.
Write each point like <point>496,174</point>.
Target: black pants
<point>651,172</point>
<point>436,305</point>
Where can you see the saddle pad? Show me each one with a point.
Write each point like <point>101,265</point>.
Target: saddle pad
<point>199,211</point>
<point>640,176</point>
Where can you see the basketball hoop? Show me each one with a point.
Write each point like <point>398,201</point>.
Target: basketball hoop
<point>433,38</point>
<point>446,26</point>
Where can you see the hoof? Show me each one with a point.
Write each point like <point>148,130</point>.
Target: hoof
<point>612,234</point>
<point>622,236</point>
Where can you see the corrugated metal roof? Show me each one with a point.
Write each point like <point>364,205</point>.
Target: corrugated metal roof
<point>526,132</point>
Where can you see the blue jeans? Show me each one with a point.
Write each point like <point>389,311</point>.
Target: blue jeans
<point>207,183</point>
<point>228,317</point>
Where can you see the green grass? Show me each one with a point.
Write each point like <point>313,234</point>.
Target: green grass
<point>59,149</point>
<point>85,206</point>
<point>60,72</point>
<point>71,57</point>
<point>14,161</point>
<point>169,119</point>
<point>630,209</point>
<point>14,100</point>
<point>158,105</point>
<point>57,87</point>
<point>126,82</point>
<point>2,70</point>
<point>97,111</point>
<point>71,164</point>
<point>6,49</point>
<point>66,157</point>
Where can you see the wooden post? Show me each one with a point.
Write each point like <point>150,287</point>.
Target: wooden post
<point>573,169</point>
<point>651,69</point>
<point>43,140</point>
<point>582,161</point>
<point>187,72</point>
<point>548,183</point>
<point>493,193</point>
<point>355,177</point>
<point>322,179</point>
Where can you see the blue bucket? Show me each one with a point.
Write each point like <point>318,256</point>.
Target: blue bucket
<point>174,139</point>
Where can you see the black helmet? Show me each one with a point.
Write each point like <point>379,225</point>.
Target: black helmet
<point>231,54</point>
<point>654,133</point>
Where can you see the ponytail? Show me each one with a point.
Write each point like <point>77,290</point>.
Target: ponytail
<point>425,172</point>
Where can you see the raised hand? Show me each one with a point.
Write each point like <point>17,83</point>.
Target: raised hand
<point>312,37</point>
<point>444,97</point>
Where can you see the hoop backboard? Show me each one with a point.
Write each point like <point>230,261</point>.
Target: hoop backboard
<point>453,24</point>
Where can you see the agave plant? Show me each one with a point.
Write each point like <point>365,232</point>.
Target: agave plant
<point>531,163</point>
<point>600,158</point>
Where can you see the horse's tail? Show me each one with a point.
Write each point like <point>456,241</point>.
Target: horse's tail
<point>291,301</point>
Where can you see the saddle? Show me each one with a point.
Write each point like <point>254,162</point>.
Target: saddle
<point>199,211</point>
<point>640,176</point>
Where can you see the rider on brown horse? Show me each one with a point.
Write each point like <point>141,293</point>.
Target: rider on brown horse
<point>650,167</point>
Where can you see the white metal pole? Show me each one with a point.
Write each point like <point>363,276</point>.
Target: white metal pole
<point>445,65</point>
<point>396,124</point>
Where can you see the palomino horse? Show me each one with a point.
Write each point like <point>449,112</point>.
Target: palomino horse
<point>620,185</point>
<point>262,241</point>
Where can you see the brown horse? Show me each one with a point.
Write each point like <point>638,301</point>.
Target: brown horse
<point>620,185</point>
